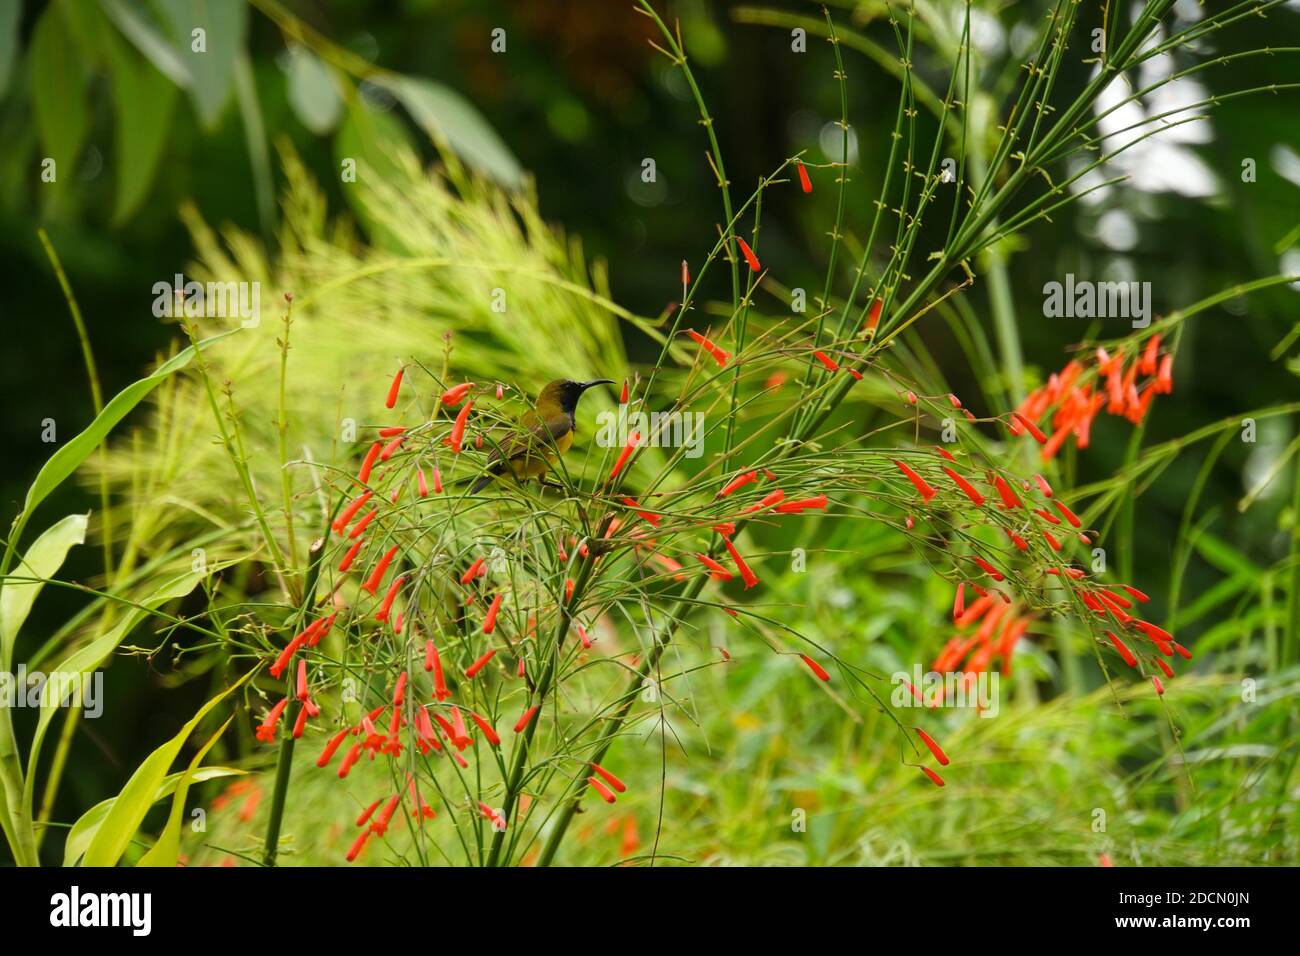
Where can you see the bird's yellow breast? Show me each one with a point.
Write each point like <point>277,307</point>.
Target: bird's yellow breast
<point>536,461</point>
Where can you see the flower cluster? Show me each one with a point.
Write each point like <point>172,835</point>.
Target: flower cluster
<point>1122,384</point>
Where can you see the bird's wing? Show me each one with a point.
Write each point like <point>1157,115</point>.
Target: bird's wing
<point>535,436</point>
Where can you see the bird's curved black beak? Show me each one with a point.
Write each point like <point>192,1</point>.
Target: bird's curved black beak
<point>596,381</point>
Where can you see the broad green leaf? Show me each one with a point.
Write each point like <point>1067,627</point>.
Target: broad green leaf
<point>448,117</point>
<point>143,100</point>
<point>88,659</point>
<point>83,831</point>
<point>58,80</point>
<point>219,28</point>
<point>372,139</point>
<point>312,95</point>
<point>145,37</point>
<point>42,560</point>
<point>68,458</point>
<point>88,29</point>
<point>128,811</point>
<point>10,14</point>
<point>166,850</point>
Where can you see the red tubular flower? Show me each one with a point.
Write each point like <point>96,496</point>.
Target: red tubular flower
<point>767,501</point>
<point>935,749</point>
<point>804,181</point>
<point>686,273</point>
<point>479,664</point>
<point>1047,516</point>
<point>625,454</point>
<point>437,481</point>
<point>744,478</point>
<point>440,691</point>
<point>934,777</point>
<point>1018,541</point>
<point>748,253</point>
<point>421,485</point>
<point>622,399</point>
<point>746,574</point>
<point>1124,652</point>
<point>387,605</point>
<point>331,746</point>
<point>361,525</point>
<point>1051,540</point>
<point>609,778</point>
<point>489,732</point>
<point>803,504</point>
<point>816,668</point>
<point>381,568</point>
<point>524,718</point>
<point>945,453</point>
<point>460,736</point>
<point>827,361</point>
<point>601,789</point>
<point>568,590</point>
<point>1066,513</point>
<point>388,450</point>
<point>352,756</point>
<point>1031,428</point>
<point>391,431</point>
<point>369,462</point>
<point>350,556</point>
<point>959,602</point>
<point>926,491</point>
<point>266,730</point>
<point>1043,485</point>
<point>873,320</point>
<point>1160,688</point>
<point>965,486</point>
<point>473,571</point>
<point>582,636</point>
<point>457,435</point>
<point>719,572</point>
<point>300,724</point>
<point>720,355</point>
<point>456,393</point>
<point>1169,671</point>
<point>1009,499</point>
<point>1139,595</point>
<point>490,814</point>
<point>1183,652</point>
<point>347,514</point>
<point>649,516</point>
<point>302,680</point>
<point>358,845</point>
<point>490,619</point>
<point>991,571</point>
<point>394,389</point>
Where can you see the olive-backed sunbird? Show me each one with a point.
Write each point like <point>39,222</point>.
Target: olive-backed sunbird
<point>544,432</point>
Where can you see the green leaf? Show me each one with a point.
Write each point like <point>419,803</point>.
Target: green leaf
<point>143,101</point>
<point>451,119</point>
<point>128,811</point>
<point>68,458</point>
<point>166,850</point>
<point>42,560</point>
<point>88,659</point>
<point>146,38</point>
<point>10,14</point>
<point>371,138</point>
<point>312,95</point>
<point>58,81</point>
<point>224,24</point>
<point>84,830</point>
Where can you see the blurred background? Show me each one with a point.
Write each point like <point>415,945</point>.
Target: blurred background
<point>577,101</point>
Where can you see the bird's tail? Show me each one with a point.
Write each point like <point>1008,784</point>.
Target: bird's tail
<point>481,483</point>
